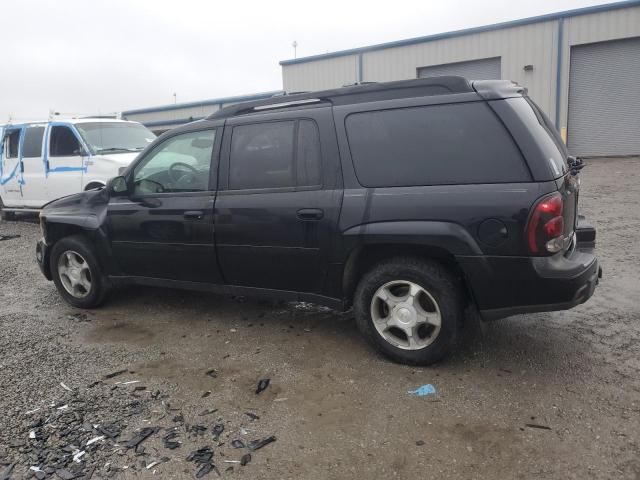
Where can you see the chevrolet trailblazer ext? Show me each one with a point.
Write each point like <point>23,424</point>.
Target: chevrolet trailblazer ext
<point>410,201</point>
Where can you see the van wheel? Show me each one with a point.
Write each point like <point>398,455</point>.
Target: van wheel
<point>76,273</point>
<point>409,309</point>
<point>7,216</point>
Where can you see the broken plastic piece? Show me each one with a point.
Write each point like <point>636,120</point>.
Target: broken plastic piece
<point>246,458</point>
<point>95,439</point>
<point>258,444</point>
<point>262,385</point>
<point>535,425</point>
<point>237,444</point>
<point>423,391</point>
<point>217,430</point>
<point>65,387</point>
<point>115,374</point>
<point>140,437</point>
<point>203,455</point>
<point>212,373</point>
<point>252,416</point>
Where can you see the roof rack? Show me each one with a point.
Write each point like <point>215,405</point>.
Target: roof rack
<point>362,92</point>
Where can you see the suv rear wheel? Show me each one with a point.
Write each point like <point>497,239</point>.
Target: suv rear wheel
<point>76,273</point>
<point>410,309</point>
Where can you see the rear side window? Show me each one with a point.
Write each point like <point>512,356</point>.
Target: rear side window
<point>11,144</point>
<point>275,155</point>
<point>32,146</point>
<point>63,142</point>
<point>433,145</point>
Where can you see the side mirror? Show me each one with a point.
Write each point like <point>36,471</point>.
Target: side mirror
<point>117,187</point>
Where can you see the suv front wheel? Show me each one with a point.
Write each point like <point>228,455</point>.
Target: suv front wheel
<point>410,309</point>
<point>76,273</point>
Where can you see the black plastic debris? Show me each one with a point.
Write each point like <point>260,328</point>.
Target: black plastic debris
<point>212,373</point>
<point>420,443</point>
<point>197,430</point>
<point>206,394</point>
<point>8,237</point>
<point>217,431</point>
<point>202,455</point>
<point>246,458</point>
<point>262,385</point>
<point>206,469</point>
<point>252,416</point>
<point>65,474</point>
<point>169,442</point>
<point>207,412</point>
<point>258,444</point>
<point>237,444</point>
<point>115,374</point>
<point>179,418</point>
<point>535,425</point>
<point>141,437</point>
<point>111,431</point>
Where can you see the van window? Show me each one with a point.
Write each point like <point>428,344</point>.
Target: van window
<point>262,156</point>
<point>12,144</point>
<point>458,143</point>
<point>308,154</point>
<point>32,146</point>
<point>63,142</point>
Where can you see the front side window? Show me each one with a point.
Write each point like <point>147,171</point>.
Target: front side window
<point>275,155</point>
<point>115,137</point>
<point>63,143</point>
<point>32,147</point>
<point>179,164</point>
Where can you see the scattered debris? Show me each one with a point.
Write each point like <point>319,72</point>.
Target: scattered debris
<point>281,399</point>
<point>30,412</point>
<point>246,458</point>
<point>535,425</point>
<point>258,444</point>
<point>168,440</point>
<point>142,435</point>
<point>202,455</point>
<point>262,385</point>
<point>212,373</point>
<point>115,374</point>
<point>207,412</point>
<point>252,416</point>
<point>8,237</point>
<point>217,431</point>
<point>197,430</point>
<point>423,391</point>
<point>420,443</point>
<point>65,387</point>
<point>206,394</point>
<point>237,444</point>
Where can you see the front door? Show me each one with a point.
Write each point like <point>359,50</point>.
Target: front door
<point>276,217</point>
<point>34,185</point>
<point>64,164</point>
<point>164,228</point>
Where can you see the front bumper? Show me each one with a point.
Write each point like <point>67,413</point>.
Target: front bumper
<point>505,286</point>
<point>42,257</point>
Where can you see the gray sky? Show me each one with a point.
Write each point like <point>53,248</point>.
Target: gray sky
<point>88,57</point>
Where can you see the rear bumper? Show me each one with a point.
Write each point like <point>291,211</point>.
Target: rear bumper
<point>505,286</point>
<point>42,257</point>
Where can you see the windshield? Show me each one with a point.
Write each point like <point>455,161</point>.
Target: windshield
<point>115,137</point>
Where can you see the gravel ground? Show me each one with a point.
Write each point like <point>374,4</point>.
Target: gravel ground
<point>336,409</point>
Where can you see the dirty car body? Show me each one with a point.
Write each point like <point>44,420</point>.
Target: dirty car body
<point>411,201</point>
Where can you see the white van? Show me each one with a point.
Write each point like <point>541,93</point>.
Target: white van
<point>43,161</point>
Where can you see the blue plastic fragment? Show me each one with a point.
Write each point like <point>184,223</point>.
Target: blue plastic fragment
<point>423,391</point>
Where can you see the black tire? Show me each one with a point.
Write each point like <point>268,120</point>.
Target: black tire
<point>99,283</point>
<point>435,279</point>
<point>6,216</point>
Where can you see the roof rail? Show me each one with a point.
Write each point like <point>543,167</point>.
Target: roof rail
<point>358,93</point>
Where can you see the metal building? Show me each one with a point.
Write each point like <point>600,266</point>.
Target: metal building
<point>581,66</point>
<point>163,118</point>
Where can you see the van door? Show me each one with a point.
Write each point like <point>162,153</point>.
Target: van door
<point>65,162</point>
<point>11,167</point>
<point>34,190</point>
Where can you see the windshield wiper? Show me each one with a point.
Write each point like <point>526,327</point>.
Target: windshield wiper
<point>120,149</point>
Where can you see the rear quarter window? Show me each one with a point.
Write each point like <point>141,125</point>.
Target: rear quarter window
<point>450,144</point>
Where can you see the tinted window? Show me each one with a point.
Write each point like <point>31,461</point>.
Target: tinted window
<point>63,143</point>
<point>557,159</point>
<point>308,154</point>
<point>179,164</point>
<point>11,144</point>
<point>262,156</point>
<point>434,145</point>
<point>32,146</point>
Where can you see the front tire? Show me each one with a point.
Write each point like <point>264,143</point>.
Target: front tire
<point>76,273</point>
<point>409,309</point>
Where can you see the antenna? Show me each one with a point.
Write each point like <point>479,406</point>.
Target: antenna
<point>295,49</point>
<point>175,98</point>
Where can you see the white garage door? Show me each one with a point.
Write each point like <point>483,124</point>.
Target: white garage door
<point>485,69</point>
<point>604,99</point>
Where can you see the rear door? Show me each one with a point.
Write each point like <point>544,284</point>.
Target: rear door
<point>11,167</point>
<point>277,210</point>
<point>164,228</point>
<point>34,188</point>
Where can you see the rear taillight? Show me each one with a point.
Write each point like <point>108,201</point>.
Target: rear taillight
<point>545,229</point>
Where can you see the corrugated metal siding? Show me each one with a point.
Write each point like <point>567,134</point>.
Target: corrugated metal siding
<point>604,99</point>
<point>177,114</point>
<point>485,69</point>
<point>321,74</point>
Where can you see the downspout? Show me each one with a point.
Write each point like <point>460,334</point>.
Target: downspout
<point>559,69</point>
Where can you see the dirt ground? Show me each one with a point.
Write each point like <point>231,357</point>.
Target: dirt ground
<point>337,409</point>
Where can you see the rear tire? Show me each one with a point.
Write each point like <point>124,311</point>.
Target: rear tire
<point>77,274</point>
<point>409,309</point>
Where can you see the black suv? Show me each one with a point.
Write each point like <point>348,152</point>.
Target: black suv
<point>411,201</point>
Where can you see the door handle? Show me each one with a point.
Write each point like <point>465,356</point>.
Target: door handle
<point>310,214</point>
<point>194,215</point>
